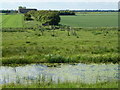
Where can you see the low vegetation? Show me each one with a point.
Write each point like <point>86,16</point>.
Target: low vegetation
<point>64,85</point>
<point>96,45</point>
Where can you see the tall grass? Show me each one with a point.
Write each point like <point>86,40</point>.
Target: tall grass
<point>51,84</point>
<point>42,81</point>
<point>84,58</point>
<point>93,45</point>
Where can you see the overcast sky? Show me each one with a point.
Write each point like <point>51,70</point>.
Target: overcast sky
<point>60,4</point>
<point>59,0</point>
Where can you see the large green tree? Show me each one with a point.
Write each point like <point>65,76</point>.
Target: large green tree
<point>46,17</point>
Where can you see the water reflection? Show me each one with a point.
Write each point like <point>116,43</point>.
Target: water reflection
<point>87,73</point>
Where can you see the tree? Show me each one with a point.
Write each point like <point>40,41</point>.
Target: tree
<point>46,17</point>
<point>20,7</point>
<point>27,16</point>
<point>50,18</point>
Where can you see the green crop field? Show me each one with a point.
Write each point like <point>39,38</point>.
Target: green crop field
<point>15,20</point>
<point>91,20</point>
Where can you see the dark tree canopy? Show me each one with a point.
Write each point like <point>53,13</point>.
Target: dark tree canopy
<point>27,16</point>
<point>46,17</point>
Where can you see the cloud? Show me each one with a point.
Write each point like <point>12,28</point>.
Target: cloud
<point>59,0</point>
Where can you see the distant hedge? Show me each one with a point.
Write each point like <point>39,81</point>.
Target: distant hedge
<point>66,13</point>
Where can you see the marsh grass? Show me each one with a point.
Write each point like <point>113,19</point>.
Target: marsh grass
<point>41,81</point>
<point>58,59</point>
<point>16,60</point>
<point>97,45</point>
<point>64,85</point>
<point>84,58</point>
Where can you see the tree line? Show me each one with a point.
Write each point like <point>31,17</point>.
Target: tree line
<point>8,11</point>
<point>66,12</point>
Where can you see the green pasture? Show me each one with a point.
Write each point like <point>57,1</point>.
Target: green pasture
<point>94,45</point>
<point>12,21</point>
<point>91,19</point>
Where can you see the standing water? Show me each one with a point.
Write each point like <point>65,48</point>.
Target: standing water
<point>86,73</point>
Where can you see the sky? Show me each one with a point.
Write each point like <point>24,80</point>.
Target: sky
<point>60,4</point>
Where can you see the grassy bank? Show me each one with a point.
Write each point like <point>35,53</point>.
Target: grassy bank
<point>64,85</point>
<point>84,58</point>
<point>98,45</point>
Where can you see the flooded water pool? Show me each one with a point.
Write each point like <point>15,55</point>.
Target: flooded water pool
<point>86,73</point>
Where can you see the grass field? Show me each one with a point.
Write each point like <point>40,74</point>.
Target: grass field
<point>91,20</point>
<point>94,45</point>
<point>12,21</point>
